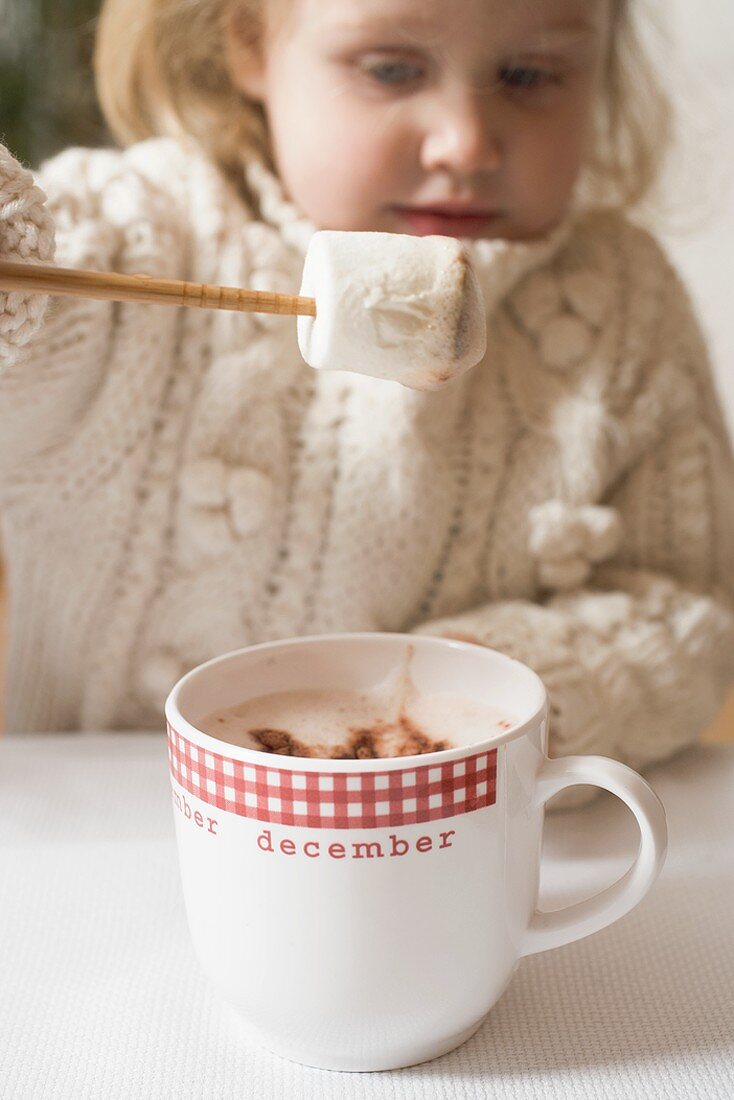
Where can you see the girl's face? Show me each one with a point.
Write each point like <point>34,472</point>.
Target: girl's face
<point>467,118</point>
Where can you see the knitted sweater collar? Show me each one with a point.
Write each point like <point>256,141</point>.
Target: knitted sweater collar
<point>499,264</point>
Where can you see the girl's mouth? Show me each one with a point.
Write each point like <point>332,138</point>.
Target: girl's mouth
<point>447,220</point>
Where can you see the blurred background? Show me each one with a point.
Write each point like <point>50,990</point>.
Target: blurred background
<point>46,92</point>
<point>47,103</point>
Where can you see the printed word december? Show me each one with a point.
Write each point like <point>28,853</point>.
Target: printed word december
<point>373,849</point>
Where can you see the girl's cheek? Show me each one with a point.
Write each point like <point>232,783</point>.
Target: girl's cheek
<point>365,161</point>
<point>558,148</point>
<point>540,171</point>
<point>330,176</point>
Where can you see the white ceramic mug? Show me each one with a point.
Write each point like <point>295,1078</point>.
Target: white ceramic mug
<point>367,914</point>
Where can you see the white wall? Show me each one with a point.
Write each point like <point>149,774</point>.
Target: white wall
<point>701,73</point>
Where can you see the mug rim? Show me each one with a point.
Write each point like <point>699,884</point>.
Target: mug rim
<point>177,721</point>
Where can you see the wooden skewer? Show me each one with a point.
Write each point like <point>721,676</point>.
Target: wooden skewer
<point>109,286</point>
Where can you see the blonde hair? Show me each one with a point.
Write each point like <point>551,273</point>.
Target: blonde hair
<point>161,69</point>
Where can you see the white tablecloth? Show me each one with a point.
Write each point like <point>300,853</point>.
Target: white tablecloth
<point>101,996</point>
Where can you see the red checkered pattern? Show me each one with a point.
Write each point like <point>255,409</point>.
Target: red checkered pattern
<point>334,800</point>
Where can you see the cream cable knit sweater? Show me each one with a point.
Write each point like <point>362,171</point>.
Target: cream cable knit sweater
<point>175,484</point>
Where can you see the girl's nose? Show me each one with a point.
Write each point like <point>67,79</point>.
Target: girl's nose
<point>461,138</point>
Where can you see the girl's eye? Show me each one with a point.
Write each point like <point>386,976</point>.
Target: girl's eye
<point>392,71</point>
<point>526,78</point>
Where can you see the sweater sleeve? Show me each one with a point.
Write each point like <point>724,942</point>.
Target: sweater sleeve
<point>633,633</point>
<point>27,236</point>
<point>87,209</point>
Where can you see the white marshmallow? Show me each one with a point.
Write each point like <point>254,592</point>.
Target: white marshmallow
<point>392,306</point>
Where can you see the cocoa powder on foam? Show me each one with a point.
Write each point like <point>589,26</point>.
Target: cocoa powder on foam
<point>363,743</point>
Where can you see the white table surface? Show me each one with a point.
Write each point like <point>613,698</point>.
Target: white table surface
<point>101,996</point>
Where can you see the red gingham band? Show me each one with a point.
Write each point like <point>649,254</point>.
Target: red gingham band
<point>334,800</point>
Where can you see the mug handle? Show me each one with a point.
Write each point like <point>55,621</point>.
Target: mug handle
<point>562,926</point>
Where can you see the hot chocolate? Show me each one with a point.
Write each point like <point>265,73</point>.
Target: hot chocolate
<point>392,719</point>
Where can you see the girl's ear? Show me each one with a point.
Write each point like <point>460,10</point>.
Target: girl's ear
<point>244,55</point>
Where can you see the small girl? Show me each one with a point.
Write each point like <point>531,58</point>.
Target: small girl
<point>175,483</point>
